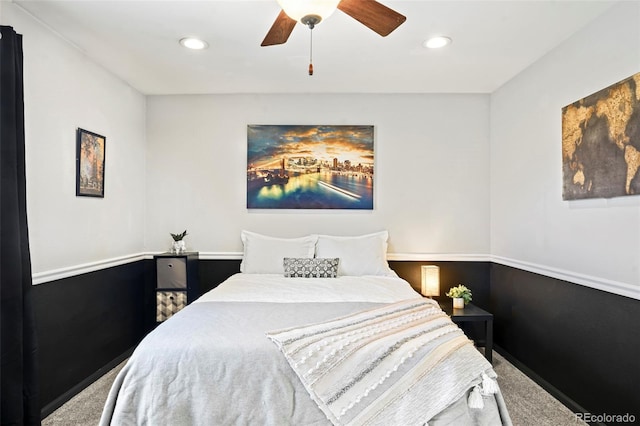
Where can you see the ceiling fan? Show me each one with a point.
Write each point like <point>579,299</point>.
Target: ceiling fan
<point>372,14</point>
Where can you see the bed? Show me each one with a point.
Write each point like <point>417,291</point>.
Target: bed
<point>267,348</point>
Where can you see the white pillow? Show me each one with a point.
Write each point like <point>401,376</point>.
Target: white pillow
<point>361,255</point>
<point>264,254</point>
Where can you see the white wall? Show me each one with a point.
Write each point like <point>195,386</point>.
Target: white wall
<point>431,188</point>
<point>64,90</point>
<point>441,189</point>
<point>591,242</point>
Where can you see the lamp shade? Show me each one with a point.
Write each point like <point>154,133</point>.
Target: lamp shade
<point>430,281</point>
<point>298,9</point>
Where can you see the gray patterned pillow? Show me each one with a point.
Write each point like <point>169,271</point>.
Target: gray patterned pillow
<point>311,267</point>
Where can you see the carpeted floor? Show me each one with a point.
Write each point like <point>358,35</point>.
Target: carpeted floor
<point>528,403</point>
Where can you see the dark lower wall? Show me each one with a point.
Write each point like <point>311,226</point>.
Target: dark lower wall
<point>474,275</point>
<point>582,344</point>
<point>85,324</point>
<point>213,272</point>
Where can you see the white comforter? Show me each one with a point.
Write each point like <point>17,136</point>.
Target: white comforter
<point>276,289</point>
<point>213,364</point>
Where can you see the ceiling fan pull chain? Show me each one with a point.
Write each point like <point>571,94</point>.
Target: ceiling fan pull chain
<point>311,51</point>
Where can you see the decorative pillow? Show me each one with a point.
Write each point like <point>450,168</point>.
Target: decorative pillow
<point>311,268</point>
<point>264,254</point>
<point>361,255</point>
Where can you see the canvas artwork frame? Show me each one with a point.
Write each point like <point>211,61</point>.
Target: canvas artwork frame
<point>90,163</point>
<point>601,143</point>
<point>310,167</point>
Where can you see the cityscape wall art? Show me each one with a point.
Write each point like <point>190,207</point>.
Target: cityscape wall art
<point>310,167</point>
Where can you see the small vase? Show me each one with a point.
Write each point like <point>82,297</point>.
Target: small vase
<point>178,247</point>
<point>458,303</point>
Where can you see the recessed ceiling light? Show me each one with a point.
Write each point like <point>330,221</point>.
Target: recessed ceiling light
<point>193,43</point>
<point>437,42</point>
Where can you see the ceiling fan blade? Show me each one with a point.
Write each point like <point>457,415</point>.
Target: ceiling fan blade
<point>372,14</point>
<point>280,30</point>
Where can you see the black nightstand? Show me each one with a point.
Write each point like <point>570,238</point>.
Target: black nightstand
<point>471,313</point>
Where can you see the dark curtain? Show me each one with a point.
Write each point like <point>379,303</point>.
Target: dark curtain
<point>18,374</point>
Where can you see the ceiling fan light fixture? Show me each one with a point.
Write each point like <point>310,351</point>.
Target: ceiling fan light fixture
<point>437,42</point>
<point>193,43</point>
<point>299,9</point>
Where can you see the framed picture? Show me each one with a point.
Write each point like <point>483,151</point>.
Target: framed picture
<point>310,167</point>
<point>90,150</point>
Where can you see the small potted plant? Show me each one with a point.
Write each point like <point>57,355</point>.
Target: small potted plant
<point>461,295</point>
<point>178,245</point>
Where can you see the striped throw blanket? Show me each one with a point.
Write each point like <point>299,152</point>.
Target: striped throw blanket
<point>401,363</point>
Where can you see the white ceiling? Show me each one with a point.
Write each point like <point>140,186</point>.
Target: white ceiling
<point>138,41</point>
